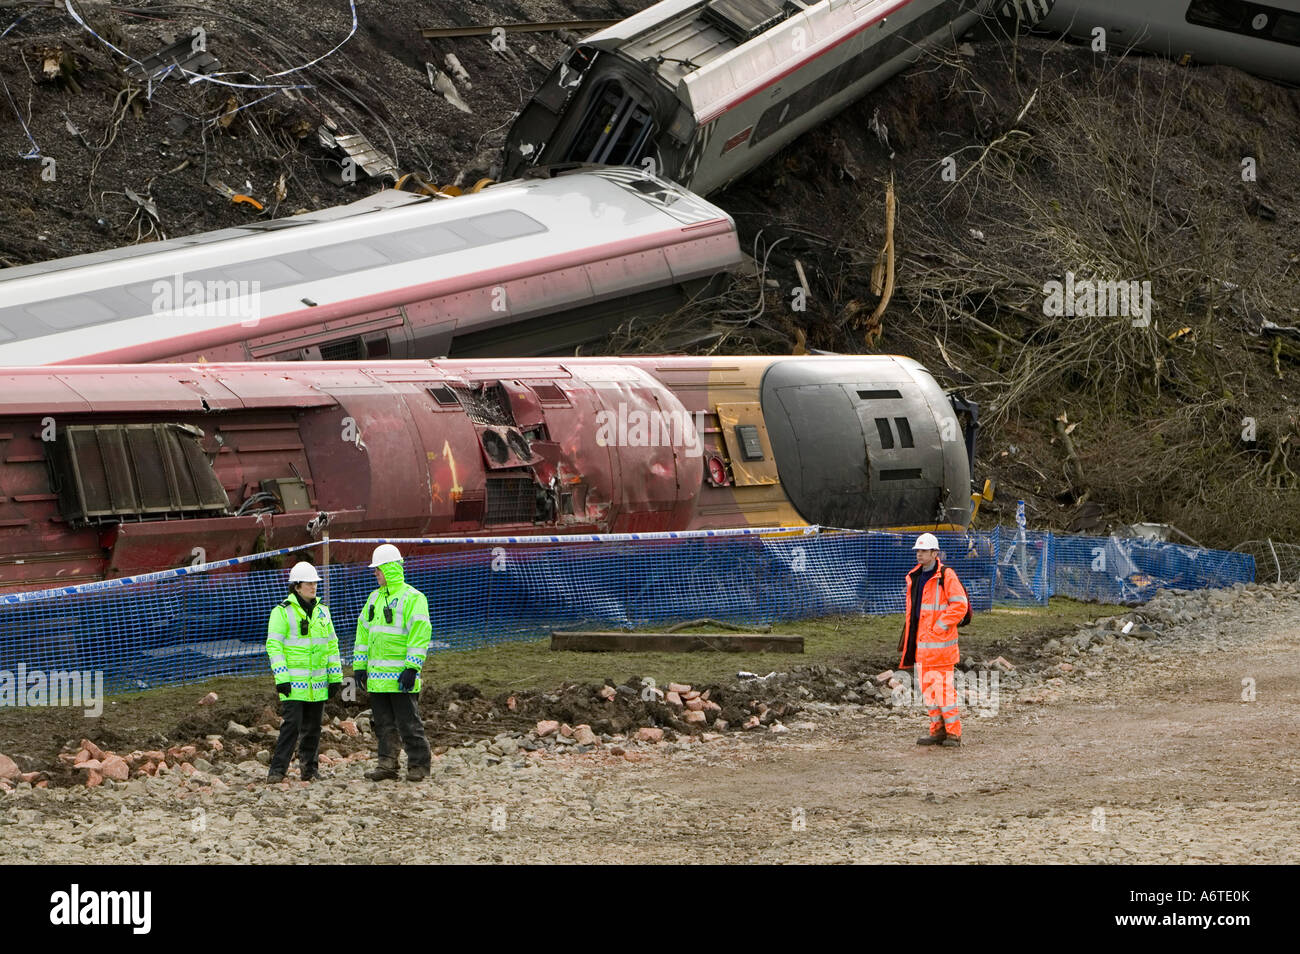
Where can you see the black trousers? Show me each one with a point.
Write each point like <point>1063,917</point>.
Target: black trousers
<point>397,715</point>
<point>300,730</point>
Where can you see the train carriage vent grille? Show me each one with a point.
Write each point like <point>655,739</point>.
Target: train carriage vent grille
<point>510,500</point>
<point>487,406</point>
<point>111,472</point>
<point>349,349</point>
<point>744,19</point>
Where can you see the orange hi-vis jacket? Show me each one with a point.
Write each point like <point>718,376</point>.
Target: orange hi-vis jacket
<point>942,608</point>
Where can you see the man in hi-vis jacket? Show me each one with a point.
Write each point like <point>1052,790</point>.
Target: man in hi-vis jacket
<point>392,638</point>
<point>936,603</point>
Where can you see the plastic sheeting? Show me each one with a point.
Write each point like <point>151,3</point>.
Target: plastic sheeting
<point>176,629</point>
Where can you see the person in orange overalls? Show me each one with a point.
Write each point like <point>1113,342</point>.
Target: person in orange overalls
<point>935,603</point>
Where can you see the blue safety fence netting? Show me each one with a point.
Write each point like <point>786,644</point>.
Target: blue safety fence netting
<point>204,622</point>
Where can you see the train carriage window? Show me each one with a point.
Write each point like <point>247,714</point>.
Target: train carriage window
<point>904,432</point>
<point>349,256</point>
<point>506,224</point>
<point>1287,28</point>
<point>883,394</point>
<point>886,435</point>
<point>72,312</point>
<point>1221,14</point>
<point>267,272</point>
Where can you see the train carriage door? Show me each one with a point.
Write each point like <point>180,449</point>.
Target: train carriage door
<point>616,130</point>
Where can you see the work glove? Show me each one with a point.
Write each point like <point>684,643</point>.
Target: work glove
<point>283,688</point>
<point>360,676</point>
<point>406,681</point>
<point>334,688</point>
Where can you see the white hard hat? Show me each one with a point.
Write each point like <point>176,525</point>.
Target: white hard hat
<point>385,553</point>
<point>303,572</point>
<point>926,541</point>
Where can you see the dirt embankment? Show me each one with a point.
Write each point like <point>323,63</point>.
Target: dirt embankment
<point>112,136</point>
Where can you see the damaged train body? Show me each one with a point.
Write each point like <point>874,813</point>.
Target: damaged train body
<point>533,267</point>
<point>1261,38</point>
<point>702,91</point>
<point>110,471</point>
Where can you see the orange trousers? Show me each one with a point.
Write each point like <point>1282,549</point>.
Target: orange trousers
<point>939,693</point>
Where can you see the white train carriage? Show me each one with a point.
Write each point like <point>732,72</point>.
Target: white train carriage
<point>1261,38</point>
<point>532,267</point>
<point>702,91</point>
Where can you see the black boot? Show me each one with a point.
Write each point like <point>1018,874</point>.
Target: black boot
<point>382,772</point>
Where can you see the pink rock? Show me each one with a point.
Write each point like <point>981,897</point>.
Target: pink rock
<point>884,677</point>
<point>584,736</point>
<point>95,751</point>
<point>9,768</point>
<point>721,724</point>
<point>1002,663</point>
<point>349,727</point>
<point>80,757</point>
<point>1065,667</point>
<point>672,698</point>
<point>895,684</point>
<point>566,730</point>
<point>695,716</point>
<point>92,765</point>
<point>30,776</point>
<point>711,706</point>
<point>752,722</point>
<point>678,687</point>
<point>187,768</point>
<point>547,727</point>
<point>115,767</point>
<point>695,705</point>
<point>705,693</point>
<point>693,694</point>
<point>154,755</point>
<point>649,734</point>
<point>43,783</point>
<point>93,779</point>
<point>207,700</point>
<point>511,704</point>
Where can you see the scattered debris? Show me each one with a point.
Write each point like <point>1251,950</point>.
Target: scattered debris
<point>440,82</point>
<point>359,150</point>
<point>177,57</point>
<point>456,70</point>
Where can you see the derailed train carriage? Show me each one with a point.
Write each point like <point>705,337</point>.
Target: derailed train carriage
<point>702,91</point>
<point>521,268</point>
<point>111,471</point>
<point>1259,37</point>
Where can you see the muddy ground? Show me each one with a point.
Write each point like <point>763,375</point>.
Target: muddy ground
<point>1165,744</point>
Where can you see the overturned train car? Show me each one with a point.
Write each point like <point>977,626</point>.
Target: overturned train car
<point>702,92</point>
<point>1261,38</point>
<point>117,470</point>
<point>533,267</point>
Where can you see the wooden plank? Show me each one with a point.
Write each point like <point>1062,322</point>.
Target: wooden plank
<point>618,641</point>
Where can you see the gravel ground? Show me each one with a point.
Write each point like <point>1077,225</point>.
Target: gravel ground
<point>1143,751</point>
